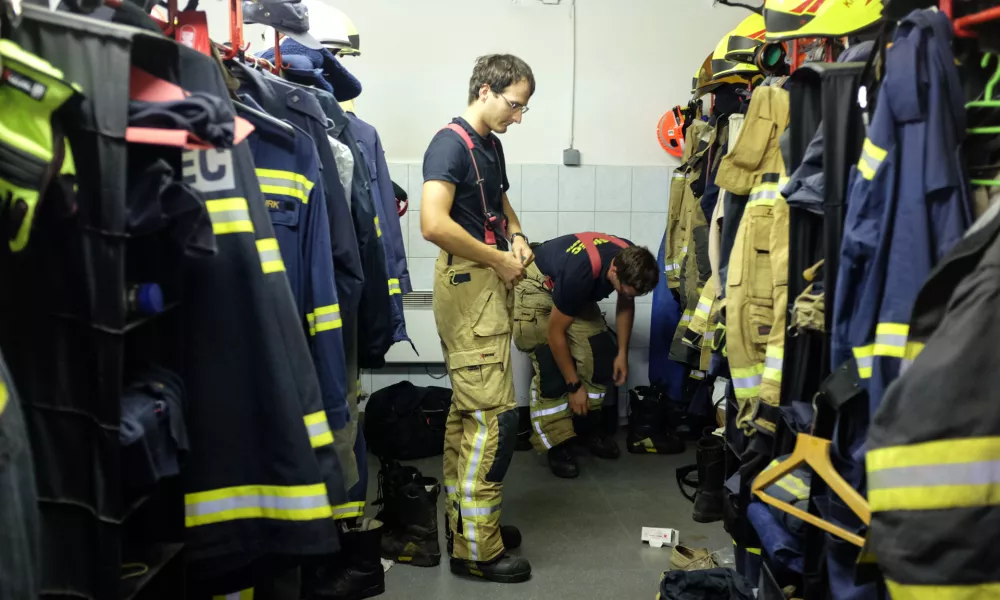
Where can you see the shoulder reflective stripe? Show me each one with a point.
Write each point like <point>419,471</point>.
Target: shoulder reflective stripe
<point>538,414</point>
<point>935,475</point>
<point>871,158</point>
<point>229,215</point>
<point>349,510</point>
<point>324,318</point>
<point>319,429</point>
<point>973,591</point>
<point>394,287</point>
<point>4,397</point>
<point>864,355</point>
<point>240,595</point>
<point>378,229</point>
<point>285,503</point>
<point>890,339</point>
<point>270,255</point>
<point>284,183</point>
<point>746,381</point>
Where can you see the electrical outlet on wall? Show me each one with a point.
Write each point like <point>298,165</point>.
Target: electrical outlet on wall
<point>571,157</point>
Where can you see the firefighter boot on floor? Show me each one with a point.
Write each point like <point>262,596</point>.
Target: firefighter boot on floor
<point>357,572</point>
<point>562,462</point>
<point>413,540</point>
<point>647,424</point>
<point>711,457</point>
<point>504,569</point>
<point>591,435</point>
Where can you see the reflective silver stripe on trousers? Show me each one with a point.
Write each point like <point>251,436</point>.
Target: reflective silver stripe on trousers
<point>973,473</point>
<point>538,414</point>
<point>537,423</point>
<point>450,489</point>
<point>470,482</point>
<point>479,512</point>
<point>773,363</point>
<point>255,501</point>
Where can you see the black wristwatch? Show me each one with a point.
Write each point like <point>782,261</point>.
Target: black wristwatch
<point>572,388</point>
<point>519,234</point>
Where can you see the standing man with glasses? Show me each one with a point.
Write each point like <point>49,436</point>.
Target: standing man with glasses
<point>465,212</point>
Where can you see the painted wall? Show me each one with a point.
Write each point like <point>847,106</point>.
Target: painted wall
<point>635,59</point>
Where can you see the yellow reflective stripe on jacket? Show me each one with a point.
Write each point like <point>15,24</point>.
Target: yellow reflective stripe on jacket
<point>319,429</point>
<point>704,307</point>
<point>324,318</point>
<point>284,183</point>
<point>229,215</point>
<point>864,355</point>
<point>270,255</point>
<point>4,397</point>
<point>773,363</point>
<point>394,287</point>
<point>285,503</point>
<point>943,474</point>
<point>378,229</point>
<point>890,339</point>
<point>349,510</point>
<point>972,591</point>
<point>746,381</point>
<point>913,350</point>
<point>240,595</point>
<point>764,195</point>
<point>871,158</point>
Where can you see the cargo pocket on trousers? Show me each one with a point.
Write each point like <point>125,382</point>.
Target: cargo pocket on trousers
<point>490,311</point>
<point>476,374</point>
<point>507,440</point>
<point>528,332</point>
<point>604,349</point>
<point>550,380</point>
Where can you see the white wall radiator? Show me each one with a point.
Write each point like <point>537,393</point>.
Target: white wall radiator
<point>419,313</point>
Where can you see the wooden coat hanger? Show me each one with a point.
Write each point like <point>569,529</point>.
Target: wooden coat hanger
<point>815,452</point>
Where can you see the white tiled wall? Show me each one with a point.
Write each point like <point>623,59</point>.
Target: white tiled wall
<point>553,200</point>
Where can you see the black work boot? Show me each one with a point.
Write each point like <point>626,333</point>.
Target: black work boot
<point>413,539</point>
<point>711,457</point>
<point>392,478</point>
<point>562,462</point>
<point>503,569</point>
<point>357,572</point>
<point>510,535</point>
<point>647,424</point>
<point>590,433</point>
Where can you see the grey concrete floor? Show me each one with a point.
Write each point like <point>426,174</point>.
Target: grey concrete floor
<point>582,536</point>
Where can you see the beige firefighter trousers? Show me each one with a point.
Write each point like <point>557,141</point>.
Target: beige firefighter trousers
<point>551,416</point>
<point>472,308</point>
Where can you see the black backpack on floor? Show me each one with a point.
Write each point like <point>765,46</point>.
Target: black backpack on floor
<point>406,422</point>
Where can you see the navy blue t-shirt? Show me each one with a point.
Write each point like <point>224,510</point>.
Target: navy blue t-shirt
<point>565,260</point>
<point>447,159</point>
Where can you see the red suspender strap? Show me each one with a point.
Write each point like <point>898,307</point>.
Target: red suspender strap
<point>587,239</point>
<point>488,236</point>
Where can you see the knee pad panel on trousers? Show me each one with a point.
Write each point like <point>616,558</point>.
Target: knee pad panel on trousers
<point>604,348</point>
<point>551,383</point>
<point>507,423</point>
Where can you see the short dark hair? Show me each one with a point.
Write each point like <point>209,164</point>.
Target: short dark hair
<point>499,71</point>
<point>637,268</point>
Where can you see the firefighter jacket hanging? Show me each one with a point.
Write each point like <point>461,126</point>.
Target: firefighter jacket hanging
<point>899,225</point>
<point>239,312</point>
<point>756,285</point>
<point>936,434</point>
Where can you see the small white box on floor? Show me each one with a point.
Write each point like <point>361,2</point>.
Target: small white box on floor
<point>660,536</point>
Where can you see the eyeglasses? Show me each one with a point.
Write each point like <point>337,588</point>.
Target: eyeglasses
<point>514,106</point>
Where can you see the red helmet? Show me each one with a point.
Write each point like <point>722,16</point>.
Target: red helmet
<point>670,131</point>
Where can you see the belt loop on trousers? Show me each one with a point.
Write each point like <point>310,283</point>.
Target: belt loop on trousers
<point>451,257</point>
